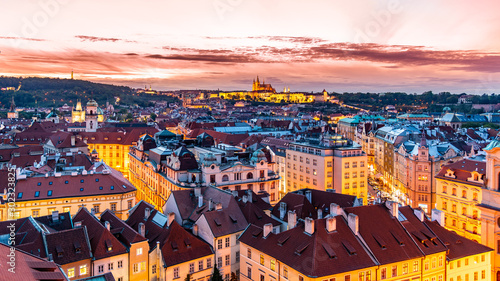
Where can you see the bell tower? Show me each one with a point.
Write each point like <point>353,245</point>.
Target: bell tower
<point>91,116</point>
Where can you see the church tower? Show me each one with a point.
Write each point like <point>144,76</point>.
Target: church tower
<point>91,116</point>
<point>12,114</point>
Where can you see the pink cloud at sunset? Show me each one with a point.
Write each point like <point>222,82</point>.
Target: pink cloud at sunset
<point>307,46</point>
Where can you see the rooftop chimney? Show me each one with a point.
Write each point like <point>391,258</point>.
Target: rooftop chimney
<point>235,193</point>
<point>250,194</point>
<point>171,218</point>
<point>218,206</point>
<point>331,224</point>
<point>107,225</point>
<point>292,219</point>
<point>210,205</point>
<point>335,209</point>
<point>320,213</point>
<point>245,199</point>
<point>73,141</point>
<point>200,201</point>
<point>195,230</point>
<point>419,214</point>
<point>353,222</point>
<point>282,210</point>
<point>309,196</point>
<point>142,229</point>
<point>197,191</point>
<point>393,208</point>
<point>55,216</point>
<point>438,215</point>
<point>309,226</point>
<point>147,213</point>
<point>268,228</point>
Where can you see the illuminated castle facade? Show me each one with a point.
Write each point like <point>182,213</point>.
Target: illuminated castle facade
<point>265,92</point>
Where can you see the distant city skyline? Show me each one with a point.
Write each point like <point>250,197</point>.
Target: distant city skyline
<point>339,46</point>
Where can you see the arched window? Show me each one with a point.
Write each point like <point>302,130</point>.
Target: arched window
<point>225,178</point>
<point>250,176</point>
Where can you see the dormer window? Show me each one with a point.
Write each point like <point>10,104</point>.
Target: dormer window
<point>78,247</point>
<point>109,246</point>
<point>450,173</point>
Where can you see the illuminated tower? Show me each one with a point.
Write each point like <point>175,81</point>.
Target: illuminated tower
<point>71,74</point>
<point>91,116</point>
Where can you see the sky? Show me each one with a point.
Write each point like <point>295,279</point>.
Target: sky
<point>340,46</point>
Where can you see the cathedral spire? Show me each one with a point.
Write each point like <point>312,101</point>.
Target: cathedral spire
<point>12,105</point>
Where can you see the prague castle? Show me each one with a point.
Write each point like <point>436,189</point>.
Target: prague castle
<point>265,92</point>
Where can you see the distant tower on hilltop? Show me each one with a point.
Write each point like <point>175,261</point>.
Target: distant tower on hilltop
<point>72,75</point>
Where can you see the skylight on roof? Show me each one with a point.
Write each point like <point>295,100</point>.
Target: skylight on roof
<point>160,219</point>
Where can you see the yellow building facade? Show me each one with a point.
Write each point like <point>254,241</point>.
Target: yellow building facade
<point>458,192</point>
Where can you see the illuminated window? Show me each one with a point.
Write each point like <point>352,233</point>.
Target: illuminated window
<point>273,265</point>
<point>383,273</point>
<point>83,269</point>
<point>71,272</point>
<point>415,266</point>
<point>262,259</point>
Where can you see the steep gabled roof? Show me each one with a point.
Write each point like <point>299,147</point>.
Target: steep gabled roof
<point>68,246</point>
<point>458,246</point>
<point>375,221</point>
<point>103,243</point>
<point>326,253</point>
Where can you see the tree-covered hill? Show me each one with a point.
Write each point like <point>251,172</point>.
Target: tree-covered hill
<point>56,92</point>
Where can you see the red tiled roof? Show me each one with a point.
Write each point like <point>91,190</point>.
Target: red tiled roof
<point>172,238</point>
<point>462,170</point>
<point>425,239</point>
<point>219,137</point>
<point>28,235</point>
<point>29,267</point>
<point>320,200</point>
<point>122,231</point>
<point>76,186</point>
<point>181,246</point>
<point>376,221</point>
<point>100,238</point>
<point>326,253</point>
<point>69,246</point>
<point>458,246</point>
